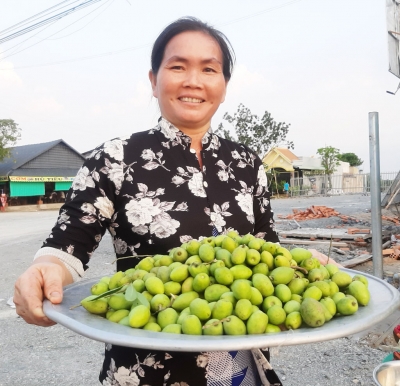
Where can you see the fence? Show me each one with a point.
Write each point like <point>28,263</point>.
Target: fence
<point>337,184</point>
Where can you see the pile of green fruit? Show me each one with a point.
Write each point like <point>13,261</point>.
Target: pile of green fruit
<point>228,284</point>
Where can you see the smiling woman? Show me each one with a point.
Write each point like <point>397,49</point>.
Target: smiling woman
<point>154,191</point>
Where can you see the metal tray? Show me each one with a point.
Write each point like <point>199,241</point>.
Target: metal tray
<point>385,299</point>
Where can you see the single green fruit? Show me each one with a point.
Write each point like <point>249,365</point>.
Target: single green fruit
<point>347,306</point>
<point>234,326</point>
<point>241,289</point>
<point>179,274</point>
<point>238,255</point>
<point>138,285</point>
<point>118,302</point>
<point>240,271</point>
<point>154,285</point>
<point>167,317</point>
<point>163,274</point>
<point>139,316</point>
<point>172,288</point>
<point>99,288</point>
<point>281,261</point>
<point>272,329</point>
<point>270,247</point>
<point>315,275</point>
<point>291,306</point>
<point>293,320</point>
<point>193,247</point>
<point>206,253</point>
<point>283,293</point>
<point>187,285</point>
<point>243,309</point>
<point>222,309</point>
<point>312,312</point>
<point>281,275</point>
<point>215,266</point>
<point>183,300</point>
<point>256,297</point>
<point>257,323</point>
<point>213,327</point>
<point>97,307</point>
<point>201,282</point>
<point>191,325</point>
<point>200,308</point>
<point>252,257</point>
<point>360,291</point>
<point>312,292</point>
<point>323,286</point>
<point>330,305</point>
<point>151,326</point>
<point>337,296</point>
<point>159,302</point>
<point>342,279</point>
<point>270,301</point>
<point>214,292</point>
<point>224,276</point>
<point>361,278</point>
<point>229,244</point>
<point>113,283</point>
<point>263,284</point>
<point>297,286</point>
<point>300,254</point>
<point>267,258</point>
<point>332,269</point>
<point>276,315</point>
<point>180,254</point>
<point>261,268</point>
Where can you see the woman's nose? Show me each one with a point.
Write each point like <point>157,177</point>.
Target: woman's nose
<point>192,79</point>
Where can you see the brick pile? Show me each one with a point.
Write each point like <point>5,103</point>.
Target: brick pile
<point>313,212</point>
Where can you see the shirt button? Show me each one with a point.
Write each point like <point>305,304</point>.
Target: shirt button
<point>192,151</point>
<point>205,183</point>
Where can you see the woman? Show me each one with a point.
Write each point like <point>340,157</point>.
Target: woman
<point>155,190</point>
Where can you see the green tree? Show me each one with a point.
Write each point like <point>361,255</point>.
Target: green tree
<point>329,160</point>
<point>259,134</point>
<point>9,135</point>
<point>351,158</point>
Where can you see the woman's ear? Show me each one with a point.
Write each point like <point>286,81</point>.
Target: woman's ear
<point>153,81</point>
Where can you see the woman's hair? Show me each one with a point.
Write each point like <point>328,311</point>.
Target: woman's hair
<point>185,24</point>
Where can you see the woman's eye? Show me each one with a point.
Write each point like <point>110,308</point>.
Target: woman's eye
<point>209,69</point>
<point>177,67</point>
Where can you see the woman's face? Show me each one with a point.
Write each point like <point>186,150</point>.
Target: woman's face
<point>190,84</point>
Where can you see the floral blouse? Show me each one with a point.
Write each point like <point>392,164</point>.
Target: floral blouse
<point>149,192</point>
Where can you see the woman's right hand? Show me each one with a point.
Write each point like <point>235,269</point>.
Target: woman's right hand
<point>44,279</point>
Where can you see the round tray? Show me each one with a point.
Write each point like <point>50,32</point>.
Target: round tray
<point>385,299</point>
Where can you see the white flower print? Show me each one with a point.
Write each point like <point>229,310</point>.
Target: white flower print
<point>115,149</point>
<point>226,172</point>
<point>70,249</point>
<point>182,207</point>
<point>202,360</point>
<point>185,238</point>
<point>114,172</point>
<point>163,226</point>
<point>194,178</point>
<point>217,217</point>
<point>105,206</point>
<point>262,177</point>
<point>214,143</point>
<point>120,246</point>
<point>148,154</point>
<point>175,136</point>
<point>140,212</point>
<point>154,160</point>
<point>120,377</point>
<point>83,179</point>
<point>245,201</point>
<point>63,219</point>
<point>245,159</point>
<point>140,229</point>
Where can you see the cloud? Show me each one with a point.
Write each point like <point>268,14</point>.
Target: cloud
<point>244,80</point>
<point>45,105</point>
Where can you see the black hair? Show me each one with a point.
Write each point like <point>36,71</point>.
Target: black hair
<point>189,23</point>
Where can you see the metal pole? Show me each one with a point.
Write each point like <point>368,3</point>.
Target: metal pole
<point>375,176</point>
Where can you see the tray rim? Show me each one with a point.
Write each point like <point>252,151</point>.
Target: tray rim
<point>130,337</point>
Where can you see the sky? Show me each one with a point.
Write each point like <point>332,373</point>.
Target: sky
<point>319,66</point>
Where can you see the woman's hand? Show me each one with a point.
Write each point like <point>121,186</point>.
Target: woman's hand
<point>43,279</point>
<point>323,258</point>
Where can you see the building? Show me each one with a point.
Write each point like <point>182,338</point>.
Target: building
<point>42,171</point>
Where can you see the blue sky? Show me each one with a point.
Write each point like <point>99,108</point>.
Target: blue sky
<point>320,66</point>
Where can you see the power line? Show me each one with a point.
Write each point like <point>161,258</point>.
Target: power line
<point>48,20</point>
<point>271,9</point>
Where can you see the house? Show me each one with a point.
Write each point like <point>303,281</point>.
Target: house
<point>39,170</point>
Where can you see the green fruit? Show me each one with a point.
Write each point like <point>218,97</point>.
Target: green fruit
<point>257,323</point>
<point>146,264</point>
<point>342,279</point>
<point>347,306</point>
<point>118,315</point>
<point>147,295</point>
<point>256,297</point>
<point>106,279</point>
<point>172,329</point>
<point>323,286</point>
<point>297,286</point>
<point>151,326</point>
<point>291,306</point>
<point>222,309</point>
<point>241,289</point>
<point>138,274</point>
<point>261,268</point>
<point>337,296</point>
<point>238,255</point>
<point>166,317</point>
<point>310,263</point>
<point>283,251</point>
<point>315,275</point>
<point>328,316</point>
<point>297,298</point>
<point>300,254</point>
<point>276,315</point>
<point>115,279</point>
<point>215,266</point>
<point>138,285</point>
<point>229,244</point>
<point>224,276</point>
<point>263,284</point>
<point>187,285</point>
<point>270,247</point>
<point>218,240</point>
<point>183,314</point>
<point>293,320</point>
<point>139,316</point>
<point>184,300</point>
<point>241,272</point>
<point>360,291</point>
<point>179,274</point>
<point>281,275</point>
<point>225,256</point>
<point>196,268</point>
<point>166,261</point>
<point>256,243</point>
<point>172,287</point>
<point>247,237</point>
<point>214,292</point>
<point>267,258</point>
<point>118,302</point>
<point>332,269</point>
<point>193,247</point>
<point>252,257</point>
<point>99,288</point>
<point>281,261</point>
<point>159,302</point>
<point>97,307</point>
<point>200,308</point>
<point>330,305</point>
<point>243,309</point>
<point>124,321</point>
<point>213,327</point>
<point>206,253</point>
<point>270,301</point>
<point>191,325</point>
<point>174,265</point>
<point>234,326</point>
<point>361,278</point>
<point>272,329</point>
<point>201,282</point>
<point>180,254</point>
<point>325,272</point>
<point>312,312</point>
<point>334,287</point>
<point>230,297</point>
<point>312,292</point>
<point>193,259</point>
<point>209,241</point>
<point>154,285</point>
<point>283,293</point>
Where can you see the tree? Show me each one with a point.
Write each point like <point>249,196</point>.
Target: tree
<point>329,160</point>
<point>9,134</point>
<point>351,158</point>
<point>260,134</point>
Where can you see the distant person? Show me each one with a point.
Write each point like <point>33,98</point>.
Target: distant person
<point>3,200</point>
<point>286,188</point>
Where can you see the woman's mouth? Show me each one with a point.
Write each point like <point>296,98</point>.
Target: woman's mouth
<point>191,100</point>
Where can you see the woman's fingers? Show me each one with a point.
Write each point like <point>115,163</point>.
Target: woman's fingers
<point>43,280</point>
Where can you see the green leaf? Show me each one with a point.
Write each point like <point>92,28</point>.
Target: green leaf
<point>130,293</point>
<point>110,292</point>
<point>135,303</point>
<point>142,299</point>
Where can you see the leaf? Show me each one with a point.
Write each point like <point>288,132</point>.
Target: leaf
<point>151,165</point>
<point>142,188</point>
<point>142,299</point>
<point>241,164</point>
<point>110,292</point>
<point>131,294</point>
<point>225,206</point>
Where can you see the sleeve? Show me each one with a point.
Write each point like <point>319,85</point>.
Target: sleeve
<point>264,224</point>
<point>89,207</point>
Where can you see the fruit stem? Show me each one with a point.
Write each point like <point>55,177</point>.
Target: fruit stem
<point>216,323</point>
<point>75,306</point>
<point>301,269</point>
<point>128,257</point>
